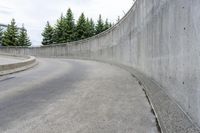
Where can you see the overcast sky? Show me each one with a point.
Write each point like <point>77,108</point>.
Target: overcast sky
<point>35,13</point>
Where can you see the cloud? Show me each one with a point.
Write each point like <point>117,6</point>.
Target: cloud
<point>35,13</point>
<point>5,10</point>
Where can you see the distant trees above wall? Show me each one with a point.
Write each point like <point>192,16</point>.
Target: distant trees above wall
<point>14,36</point>
<point>67,30</point>
<point>1,35</point>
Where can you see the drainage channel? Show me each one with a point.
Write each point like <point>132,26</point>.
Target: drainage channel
<point>152,110</point>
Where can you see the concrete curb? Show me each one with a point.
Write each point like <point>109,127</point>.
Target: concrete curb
<point>16,67</point>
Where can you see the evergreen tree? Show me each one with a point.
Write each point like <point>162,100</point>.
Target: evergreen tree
<point>81,28</point>
<point>23,39</point>
<point>107,25</point>
<point>100,25</point>
<point>91,28</point>
<point>47,34</point>
<point>69,27</point>
<point>1,35</point>
<point>66,30</point>
<point>58,35</point>
<point>10,35</point>
<point>87,24</point>
<point>111,25</point>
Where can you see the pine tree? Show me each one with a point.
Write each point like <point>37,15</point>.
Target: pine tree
<point>47,34</point>
<point>107,25</point>
<point>69,27</point>
<point>91,28</point>
<point>100,25</point>
<point>87,24</point>
<point>1,35</point>
<point>10,35</point>
<point>23,39</point>
<point>81,28</point>
<point>58,35</point>
<point>66,30</point>
<point>111,25</point>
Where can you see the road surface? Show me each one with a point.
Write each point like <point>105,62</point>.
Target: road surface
<point>73,96</point>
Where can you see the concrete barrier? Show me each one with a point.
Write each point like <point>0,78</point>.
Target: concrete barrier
<point>159,39</point>
<point>9,68</point>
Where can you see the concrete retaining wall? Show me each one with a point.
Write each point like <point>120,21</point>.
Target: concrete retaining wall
<point>159,38</point>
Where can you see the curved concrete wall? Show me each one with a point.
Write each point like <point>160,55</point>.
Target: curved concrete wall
<point>160,38</point>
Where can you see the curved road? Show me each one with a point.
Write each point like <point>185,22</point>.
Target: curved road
<point>72,96</point>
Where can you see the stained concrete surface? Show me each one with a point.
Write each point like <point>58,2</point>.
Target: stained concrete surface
<point>71,96</point>
<point>9,59</point>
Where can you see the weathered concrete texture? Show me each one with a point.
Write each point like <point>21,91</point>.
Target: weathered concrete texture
<point>169,115</point>
<point>80,96</point>
<point>159,38</point>
<point>12,64</point>
<point>9,59</point>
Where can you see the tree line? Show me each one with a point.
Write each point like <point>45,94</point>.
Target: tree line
<point>67,30</point>
<point>14,36</point>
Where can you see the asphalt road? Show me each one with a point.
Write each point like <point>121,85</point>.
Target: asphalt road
<point>72,96</point>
